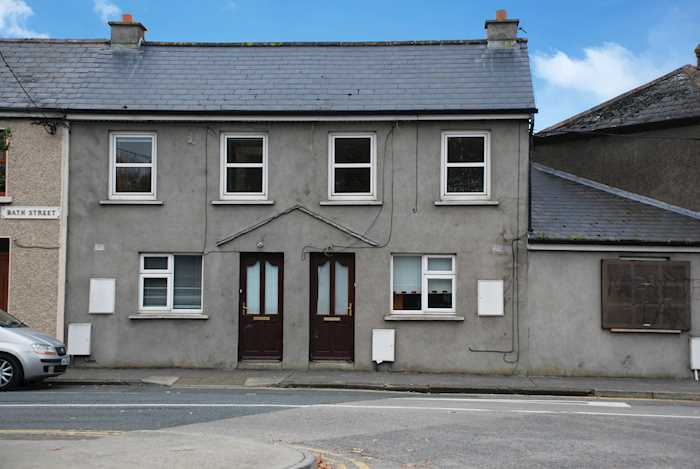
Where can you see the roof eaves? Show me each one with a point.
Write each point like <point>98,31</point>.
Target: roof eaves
<point>539,238</point>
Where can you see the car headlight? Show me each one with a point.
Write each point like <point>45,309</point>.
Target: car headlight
<point>45,350</point>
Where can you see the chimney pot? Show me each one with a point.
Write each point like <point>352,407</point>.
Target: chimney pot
<point>127,33</point>
<point>501,33</point>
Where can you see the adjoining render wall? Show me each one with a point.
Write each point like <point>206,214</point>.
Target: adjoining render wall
<point>480,236</point>
<point>666,168</point>
<point>562,334</point>
<point>34,178</point>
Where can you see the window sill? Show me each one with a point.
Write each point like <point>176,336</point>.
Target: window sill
<point>351,202</point>
<point>242,202</point>
<point>423,317</point>
<point>648,331</point>
<point>466,202</point>
<point>168,315</point>
<point>131,202</point>
<point>5,199</point>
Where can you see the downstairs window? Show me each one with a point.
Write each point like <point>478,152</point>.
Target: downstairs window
<point>423,284</point>
<point>170,282</point>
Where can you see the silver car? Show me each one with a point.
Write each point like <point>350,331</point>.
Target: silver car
<point>27,355</point>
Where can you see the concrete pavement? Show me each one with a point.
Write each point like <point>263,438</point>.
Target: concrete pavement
<point>161,449</point>
<point>387,381</point>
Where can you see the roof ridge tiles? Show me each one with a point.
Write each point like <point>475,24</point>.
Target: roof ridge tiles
<point>422,42</point>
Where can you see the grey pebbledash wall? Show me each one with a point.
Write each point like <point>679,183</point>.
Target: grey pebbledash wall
<point>561,333</point>
<point>408,222</point>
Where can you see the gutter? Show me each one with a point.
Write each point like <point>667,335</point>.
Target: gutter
<point>145,114</point>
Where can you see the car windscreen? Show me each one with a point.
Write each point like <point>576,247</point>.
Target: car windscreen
<point>7,320</point>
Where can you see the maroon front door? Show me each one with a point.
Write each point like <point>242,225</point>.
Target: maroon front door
<point>4,272</point>
<point>261,306</point>
<point>331,307</point>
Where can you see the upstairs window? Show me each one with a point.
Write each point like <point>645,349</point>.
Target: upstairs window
<point>133,166</point>
<point>423,284</point>
<point>170,282</point>
<point>465,166</point>
<point>643,295</point>
<point>243,167</point>
<point>352,167</point>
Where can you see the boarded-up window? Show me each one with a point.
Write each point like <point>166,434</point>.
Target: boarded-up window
<point>650,295</point>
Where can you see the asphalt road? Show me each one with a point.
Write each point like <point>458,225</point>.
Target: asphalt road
<point>356,429</point>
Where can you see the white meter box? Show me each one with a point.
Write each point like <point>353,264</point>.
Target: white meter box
<point>383,345</point>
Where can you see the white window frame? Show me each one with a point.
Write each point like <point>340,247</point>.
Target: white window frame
<point>169,275</point>
<point>113,194</point>
<point>444,164</point>
<point>224,165</point>
<point>372,165</point>
<point>425,276</point>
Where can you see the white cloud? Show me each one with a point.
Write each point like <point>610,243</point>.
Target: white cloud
<point>13,18</point>
<point>107,10</point>
<point>566,84</point>
<point>603,72</point>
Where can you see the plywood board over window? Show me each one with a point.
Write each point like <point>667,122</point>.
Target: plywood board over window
<point>644,295</point>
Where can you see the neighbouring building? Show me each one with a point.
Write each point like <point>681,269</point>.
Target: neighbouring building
<point>33,173</point>
<point>272,204</point>
<point>614,240</point>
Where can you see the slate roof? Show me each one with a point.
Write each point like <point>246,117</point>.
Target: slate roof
<point>433,76</point>
<point>568,209</point>
<point>673,96</point>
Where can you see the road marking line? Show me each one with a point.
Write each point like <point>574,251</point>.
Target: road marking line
<point>518,401</point>
<point>58,432</point>
<point>347,406</point>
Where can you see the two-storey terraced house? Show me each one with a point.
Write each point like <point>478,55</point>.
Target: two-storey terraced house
<point>282,204</point>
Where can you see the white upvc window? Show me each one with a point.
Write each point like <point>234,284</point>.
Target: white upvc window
<point>465,165</point>
<point>170,282</point>
<point>243,166</point>
<point>132,174</point>
<point>352,166</point>
<point>423,284</point>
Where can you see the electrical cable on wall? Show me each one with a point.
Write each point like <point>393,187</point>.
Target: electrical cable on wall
<point>48,124</point>
<point>515,251</point>
<point>389,135</point>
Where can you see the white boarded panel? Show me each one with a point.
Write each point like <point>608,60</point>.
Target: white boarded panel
<point>490,294</point>
<point>79,335</point>
<point>102,291</point>
<point>382,345</point>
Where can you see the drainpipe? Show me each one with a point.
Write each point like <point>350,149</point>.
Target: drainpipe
<point>63,235</point>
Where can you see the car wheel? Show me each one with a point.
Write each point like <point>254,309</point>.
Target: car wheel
<point>10,373</point>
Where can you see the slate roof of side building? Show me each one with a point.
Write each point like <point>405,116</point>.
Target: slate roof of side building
<point>671,97</point>
<point>385,77</point>
<point>568,209</point>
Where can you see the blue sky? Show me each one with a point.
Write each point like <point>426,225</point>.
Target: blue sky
<point>582,53</point>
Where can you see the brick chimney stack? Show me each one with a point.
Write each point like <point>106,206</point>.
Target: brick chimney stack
<point>127,33</point>
<point>501,32</point>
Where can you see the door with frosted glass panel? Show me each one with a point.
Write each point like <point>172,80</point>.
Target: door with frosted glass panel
<point>261,311</point>
<point>332,307</point>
